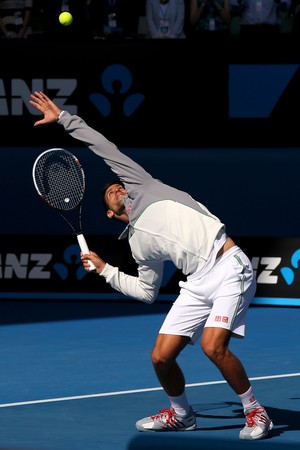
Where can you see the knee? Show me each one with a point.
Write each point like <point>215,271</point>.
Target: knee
<point>213,352</point>
<point>160,359</point>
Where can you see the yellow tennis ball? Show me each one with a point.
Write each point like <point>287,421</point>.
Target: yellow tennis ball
<point>65,18</point>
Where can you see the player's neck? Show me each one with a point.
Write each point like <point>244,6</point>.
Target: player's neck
<point>122,217</point>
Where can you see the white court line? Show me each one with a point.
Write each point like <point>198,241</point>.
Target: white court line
<point>135,391</point>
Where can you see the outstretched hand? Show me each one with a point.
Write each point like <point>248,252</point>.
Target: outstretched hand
<point>47,107</point>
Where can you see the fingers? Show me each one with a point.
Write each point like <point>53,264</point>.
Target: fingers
<point>87,255</point>
<point>39,122</point>
<point>38,99</point>
<point>85,258</point>
<point>95,259</point>
<point>86,262</point>
<point>40,95</point>
<point>43,103</point>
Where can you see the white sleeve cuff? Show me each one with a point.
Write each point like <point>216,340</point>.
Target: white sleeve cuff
<point>59,116</point>
<point>106,271</point>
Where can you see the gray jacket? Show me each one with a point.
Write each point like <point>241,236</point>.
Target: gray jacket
<point>165,224</point>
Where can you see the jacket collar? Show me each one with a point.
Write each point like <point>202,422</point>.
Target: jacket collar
<point>127,232</point>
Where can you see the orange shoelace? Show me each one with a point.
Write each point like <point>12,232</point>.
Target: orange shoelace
<point>250,420</point>
<point>168,413</point>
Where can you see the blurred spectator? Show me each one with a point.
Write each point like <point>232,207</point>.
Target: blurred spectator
<point>209,15</point>
<point>187,25</point>
<point>165,19</point>
<point>295,15</point>
<point>260,16</point>
<point>114,19</point>
<point>15,17</point>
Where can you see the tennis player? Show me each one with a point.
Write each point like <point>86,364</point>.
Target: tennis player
<point>166,224</point>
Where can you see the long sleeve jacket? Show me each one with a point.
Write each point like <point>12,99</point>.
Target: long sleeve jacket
<point>165,224</point>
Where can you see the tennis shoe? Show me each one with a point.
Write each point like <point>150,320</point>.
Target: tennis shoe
<point>258,424</point>
<point>168,420</point>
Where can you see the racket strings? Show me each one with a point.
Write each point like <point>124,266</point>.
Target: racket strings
<point>60,180</point>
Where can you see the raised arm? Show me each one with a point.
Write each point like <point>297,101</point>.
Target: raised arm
<point>130,172</point>
<point>47,107</point>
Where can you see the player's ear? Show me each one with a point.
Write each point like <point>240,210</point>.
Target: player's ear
<point>110,214</point>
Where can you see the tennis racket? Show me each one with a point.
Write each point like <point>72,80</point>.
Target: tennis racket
<point>60,181</point>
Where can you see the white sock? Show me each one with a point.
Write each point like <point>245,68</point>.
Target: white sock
<point>248,400</point>
<point>180,404</point>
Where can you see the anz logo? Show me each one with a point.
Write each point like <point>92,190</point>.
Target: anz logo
<point>269,264</point>
<point>71,264</point>
<point>115,84</point>
<point>31,266</point>
<point>116,81</point>
<point>12,104</point>
<point>40,266</point>
<point>288,273</point>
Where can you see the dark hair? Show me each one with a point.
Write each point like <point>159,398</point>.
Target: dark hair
<point>104,189</point>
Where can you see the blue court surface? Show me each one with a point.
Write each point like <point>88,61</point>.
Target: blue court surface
<point>71,383</point>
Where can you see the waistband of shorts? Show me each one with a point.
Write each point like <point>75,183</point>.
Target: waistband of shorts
<point>233,250</point>
<point>218,261</point>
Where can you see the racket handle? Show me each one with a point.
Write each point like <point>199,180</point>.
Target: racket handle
<point>84,248</point>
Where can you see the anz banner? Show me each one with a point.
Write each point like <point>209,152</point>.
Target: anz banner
<point>232,92</point>
<point>47,267</point>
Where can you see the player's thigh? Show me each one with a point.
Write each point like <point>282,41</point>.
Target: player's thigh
<point>233,296</point>
<point>186,318</point>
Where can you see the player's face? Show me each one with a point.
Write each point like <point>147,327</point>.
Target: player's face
<point>114,198</point>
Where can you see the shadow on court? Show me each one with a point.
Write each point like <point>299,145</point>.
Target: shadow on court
<point>150,441</point>
<point>285,420</point>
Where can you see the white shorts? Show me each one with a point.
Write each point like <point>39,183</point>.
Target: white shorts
<point>219,298</point>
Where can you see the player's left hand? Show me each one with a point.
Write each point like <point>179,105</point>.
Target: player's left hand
<point>47,107</point>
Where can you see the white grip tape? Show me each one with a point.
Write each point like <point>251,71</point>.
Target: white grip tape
<point>84,248</point>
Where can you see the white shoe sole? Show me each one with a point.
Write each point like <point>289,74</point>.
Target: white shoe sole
<point>248,437</point>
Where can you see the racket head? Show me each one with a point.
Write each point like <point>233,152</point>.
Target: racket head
<point>59,179</point>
